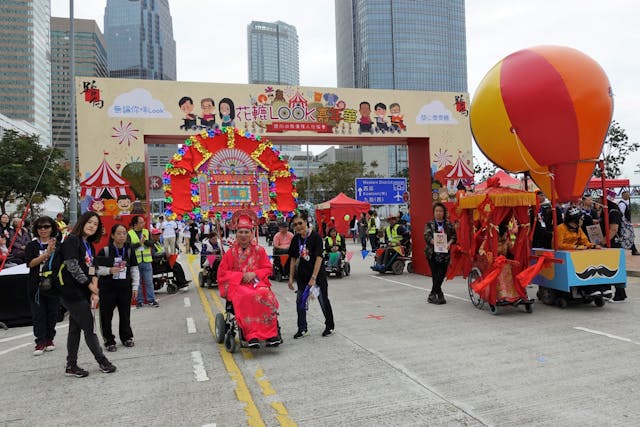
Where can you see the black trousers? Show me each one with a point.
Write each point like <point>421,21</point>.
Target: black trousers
<point>44,313</point>
<point>178,273</point>
<point>323,299</point>
<point>438,273</point>
<point>112,296</point>
<point>81,320</point>
<point>375,242</point>
<point>363,241</point>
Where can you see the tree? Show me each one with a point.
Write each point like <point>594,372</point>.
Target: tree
<point>616,150</point>
<point>483,170</point>
<point>334,178</point>
<point>21,165</point>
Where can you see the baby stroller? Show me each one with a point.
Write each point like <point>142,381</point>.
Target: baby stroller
<point>226,327</point>
<point>336,263</point>
<point>396,261</point>
<point>163,274</point>
<point>208,276</point>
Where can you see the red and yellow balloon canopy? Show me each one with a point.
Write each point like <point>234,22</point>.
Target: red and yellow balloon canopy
<point>544,110</point>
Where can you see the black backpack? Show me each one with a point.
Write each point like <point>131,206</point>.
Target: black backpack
<point>51,274</point>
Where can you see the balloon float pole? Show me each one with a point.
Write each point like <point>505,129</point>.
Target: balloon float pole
<point>554,214</point>
<point>605,203</point>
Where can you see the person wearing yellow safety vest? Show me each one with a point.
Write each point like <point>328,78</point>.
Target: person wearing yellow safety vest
<point>334,242</point>
<point>394,234</point>
<point>138,238</point>
<point>372,230</point>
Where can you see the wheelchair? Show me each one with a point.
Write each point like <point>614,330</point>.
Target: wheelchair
<point>340,267</point>
<point>395,263</point>
<point>163,275</point>
<point>280,272</point>
<point>226,328</point>
<point>208,276</point>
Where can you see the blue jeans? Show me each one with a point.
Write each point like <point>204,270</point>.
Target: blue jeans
<point>146,280</point>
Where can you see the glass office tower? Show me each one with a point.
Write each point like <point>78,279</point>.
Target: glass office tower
<point>273,53</point>
<point>139,37</point>
<point>25,63</point>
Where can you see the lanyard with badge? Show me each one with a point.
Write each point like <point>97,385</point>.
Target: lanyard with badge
<point>119,261</point>
<point>88,258</point>
<point>304,252</point>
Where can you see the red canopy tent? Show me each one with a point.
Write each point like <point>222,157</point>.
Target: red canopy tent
<point>506,180</point>
<point>339,207</point>
<point>596,183</point>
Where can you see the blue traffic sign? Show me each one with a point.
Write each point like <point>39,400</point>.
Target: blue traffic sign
<point>381,191</point>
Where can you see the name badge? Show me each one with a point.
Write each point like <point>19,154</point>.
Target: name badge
<point>92,271</point>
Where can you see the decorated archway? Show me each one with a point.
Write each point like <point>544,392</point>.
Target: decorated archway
<point>224,170</point>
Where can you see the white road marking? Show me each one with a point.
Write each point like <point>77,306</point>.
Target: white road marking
<point>198,367</point>
<point>615,337</point>
<point>14,348</point>
<point>30,334</point>
<point>413,286</point>
<point>191,325</point>
<point>209,425</point>
<point>187,302</point>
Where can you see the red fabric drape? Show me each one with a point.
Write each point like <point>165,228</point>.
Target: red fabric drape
<point>526,276</point>
<point>522,247</point>
<point>486,285</point>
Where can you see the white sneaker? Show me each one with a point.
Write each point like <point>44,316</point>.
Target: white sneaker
<point>50,346</point>
<point>39,350</point>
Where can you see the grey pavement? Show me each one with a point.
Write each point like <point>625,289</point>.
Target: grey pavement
<point>394,360</point>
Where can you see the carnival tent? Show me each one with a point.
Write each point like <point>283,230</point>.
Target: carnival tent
<point>343,209</point>
<point>105,183</point>
<point>506,180</point>
<point>459,172</point>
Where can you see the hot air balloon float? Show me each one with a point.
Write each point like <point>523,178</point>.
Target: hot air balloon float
<point>544,111</point>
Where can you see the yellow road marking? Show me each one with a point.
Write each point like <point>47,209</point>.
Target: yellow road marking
<point>242,390</point>
<point>282,415</point>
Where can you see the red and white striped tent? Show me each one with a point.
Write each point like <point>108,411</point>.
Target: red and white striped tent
<point>105,183</point>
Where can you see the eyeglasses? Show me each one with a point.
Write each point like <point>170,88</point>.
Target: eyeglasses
<point>43,226</point>
<point>298,223</point>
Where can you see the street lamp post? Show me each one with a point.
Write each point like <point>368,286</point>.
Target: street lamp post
<point>73,197</point>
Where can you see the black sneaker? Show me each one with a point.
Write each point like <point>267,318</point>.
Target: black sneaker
<point>75,371</point>
<point>327,332</point>
<point>253,343</point>
<point>301,333</point>
<point>155,304</point>
<point>432,299</point>
<point>111,348</point>
<point>441,299</point>
<point>273,341</point>
<point>129,343</point>
<point>106,367</point>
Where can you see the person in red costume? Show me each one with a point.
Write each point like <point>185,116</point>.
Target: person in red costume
<point>243,279</point>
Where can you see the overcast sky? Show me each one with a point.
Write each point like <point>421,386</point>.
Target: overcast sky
<point>211,40</point>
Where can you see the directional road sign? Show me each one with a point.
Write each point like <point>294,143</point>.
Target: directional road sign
<point>381,191</point>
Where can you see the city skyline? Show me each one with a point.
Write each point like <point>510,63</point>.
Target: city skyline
<point>273,56</point>
<point>494,29</point>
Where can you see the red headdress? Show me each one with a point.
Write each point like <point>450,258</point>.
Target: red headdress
<point>244,219</point>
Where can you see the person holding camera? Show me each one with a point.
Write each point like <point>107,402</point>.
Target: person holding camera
<point>44,303</point>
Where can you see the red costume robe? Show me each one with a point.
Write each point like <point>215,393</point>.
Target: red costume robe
<point>254,304</point>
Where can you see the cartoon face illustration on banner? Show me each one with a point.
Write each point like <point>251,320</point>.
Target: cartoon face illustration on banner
<point>545,110</point>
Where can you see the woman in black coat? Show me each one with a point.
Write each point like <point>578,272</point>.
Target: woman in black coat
<point>438,260</point>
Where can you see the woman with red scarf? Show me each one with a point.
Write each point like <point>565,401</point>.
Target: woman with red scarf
<point>243,279</point>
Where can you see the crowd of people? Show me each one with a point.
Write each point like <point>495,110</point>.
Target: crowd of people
<point>114,274</point>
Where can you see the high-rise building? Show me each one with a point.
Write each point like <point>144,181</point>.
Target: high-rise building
<point>401,44</point>
<point>91,61</point>
<point>25,67</point>
<point>273,53</point>
<point>139,36</point>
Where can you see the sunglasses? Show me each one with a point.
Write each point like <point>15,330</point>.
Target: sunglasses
<point>43,226</point>
<point>298,223</point>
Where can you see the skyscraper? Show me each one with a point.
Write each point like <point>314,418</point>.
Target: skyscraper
<point>273,53</point>
<point>139,36</point>
<point>25,67</point>
<point>401,44</point>
<point>91,61</point>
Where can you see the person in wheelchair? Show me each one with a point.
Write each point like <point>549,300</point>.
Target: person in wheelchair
<point>161,261</point>
<point>281,242</point>
<point>395,236</point>
<point>243,279</point>
<point>335,250</point>
<point>209,264</point>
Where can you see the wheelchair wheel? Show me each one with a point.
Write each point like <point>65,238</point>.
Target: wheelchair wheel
<point>475,298</point>
<point>397,267</point>
<point>201,280</point>
<point>277,275</point>
<point>230,341</point>
<point>172,288</point>
<point>410,267</point>
<point>220,328</point>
